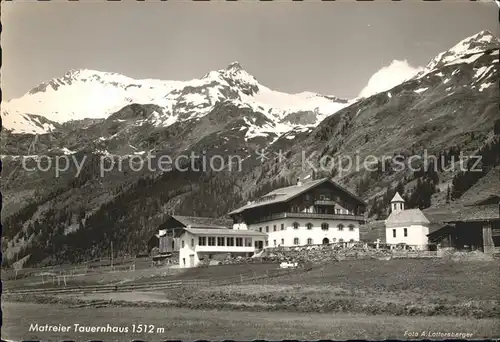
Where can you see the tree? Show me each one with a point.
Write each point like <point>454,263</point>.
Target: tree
<point>496,128</point>
<point>400,188</point>
<point>421,195</point>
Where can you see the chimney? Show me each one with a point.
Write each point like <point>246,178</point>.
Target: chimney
<point>299,182</point>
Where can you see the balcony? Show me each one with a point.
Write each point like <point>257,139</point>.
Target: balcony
<point>279,216</point>
<point>324,202</point>
<point>224,249</point>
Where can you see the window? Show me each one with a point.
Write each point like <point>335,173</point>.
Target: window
<point>173,245</point>
<point>239,242</point>
<point>230,241</point>
<point>341,240</point>
<point>182,244</point>
<point>309,241</point>
<point>351,227</point>
<point>274,242</point>
<point>282,241</point>
<point>296,241</point>
<point>341,227</point>
<point>324,226</point>
<point>267,229</point>
<point>248,242</point>
<point>192,242</point>
<point>307,197</point>
<point>221,241</point>
<point>184,261</point>
<point>211,240</point>
<point>309,226</point>
<point>260,229</point>
<point>202,241</point>
<point>351,240</point>
<point>282,226</point>
<point>274,228</point>
<point>394,233</point>
<point>321,197</point>
<point>267,243</point>
<point>406,231</point>
<point>295,225</point>
<point>338,211</point>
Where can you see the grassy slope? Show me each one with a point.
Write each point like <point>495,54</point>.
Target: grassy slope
<point>394,287</point>
<point>402,287</point>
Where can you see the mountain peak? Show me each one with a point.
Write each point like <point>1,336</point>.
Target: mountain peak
<point>483,35</point>
<point>483,39</point>
<point>76,72</point>
<point>479,42</point>
<point>234,66</point>
<point>473,45</point>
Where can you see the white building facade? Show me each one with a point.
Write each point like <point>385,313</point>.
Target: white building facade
<point>198,245</point>
<point>296,230</point>
<point>406,226</point>
<point>317,212</point>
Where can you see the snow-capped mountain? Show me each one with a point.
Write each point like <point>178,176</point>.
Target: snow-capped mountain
<point>82,94</point>
<point>466,51</point>
<point>454,104</point>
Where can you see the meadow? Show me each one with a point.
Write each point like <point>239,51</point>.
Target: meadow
<point>186,324</point>
<point>370,299</point>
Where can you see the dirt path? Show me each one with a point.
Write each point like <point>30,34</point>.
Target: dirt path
<point>185,324</point>
<point>134,297</point>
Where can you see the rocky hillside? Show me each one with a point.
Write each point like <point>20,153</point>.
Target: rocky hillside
<point>451,108</point>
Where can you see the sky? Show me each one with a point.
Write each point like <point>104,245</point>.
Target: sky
<point>341,48</point>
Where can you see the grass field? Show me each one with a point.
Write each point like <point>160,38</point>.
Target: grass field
<point>185,324</point>
<point>399,287</point>
<point>352,299</point>
<point>472,279</point>
<point>394,287</point>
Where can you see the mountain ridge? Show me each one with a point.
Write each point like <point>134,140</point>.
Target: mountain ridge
<point>451,109</point>
<point>91,94</point>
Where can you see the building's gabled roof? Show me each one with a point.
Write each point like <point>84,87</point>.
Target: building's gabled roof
<point>397,198</point>
<point>461,213</point>
<point>285,194</point>
<point>203,222</point>
<point>406,217</point>
<point>477,213</point>
<point>441,231</point>
<point>435,226</point>
<point>224,232</point>
<point>490,199</point>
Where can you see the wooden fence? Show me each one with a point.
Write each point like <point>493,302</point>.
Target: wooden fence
<point>92,266</point>
<point>409,254</point>
<point>151,286</point>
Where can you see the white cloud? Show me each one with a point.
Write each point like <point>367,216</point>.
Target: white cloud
<point>388,77</point>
